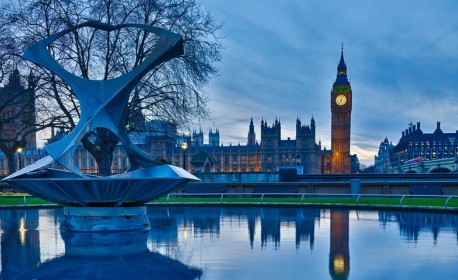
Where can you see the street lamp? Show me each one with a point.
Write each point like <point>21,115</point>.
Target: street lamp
<point>299,168</point>
<point>184,146</point>
<point>19,151</point>
<point>298,160</point>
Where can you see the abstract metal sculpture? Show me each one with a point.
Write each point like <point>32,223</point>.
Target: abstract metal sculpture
<point>103,103</point>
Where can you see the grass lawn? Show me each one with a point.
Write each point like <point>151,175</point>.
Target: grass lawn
<point>375,201</point>
<point>439,202</point>
<point>19,200</point>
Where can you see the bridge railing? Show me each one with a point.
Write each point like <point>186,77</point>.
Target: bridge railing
<point>322,198</point>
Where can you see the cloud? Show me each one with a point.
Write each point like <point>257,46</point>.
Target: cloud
<point>280,60</point>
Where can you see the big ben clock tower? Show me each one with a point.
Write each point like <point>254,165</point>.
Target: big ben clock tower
<point>341,102</point>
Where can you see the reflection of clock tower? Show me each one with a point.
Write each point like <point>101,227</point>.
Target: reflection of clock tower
<point>341,101</point>
<point>339,255</point>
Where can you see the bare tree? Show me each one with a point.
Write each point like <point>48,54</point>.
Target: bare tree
<point>172,91</point>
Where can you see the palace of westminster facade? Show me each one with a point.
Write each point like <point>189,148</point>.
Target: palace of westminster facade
<point>273,152</point>
<point>270,154</point>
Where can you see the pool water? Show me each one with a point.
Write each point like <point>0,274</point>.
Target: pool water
<point>211,242</point>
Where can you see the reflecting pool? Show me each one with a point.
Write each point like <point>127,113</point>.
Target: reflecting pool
<point>210,242</point>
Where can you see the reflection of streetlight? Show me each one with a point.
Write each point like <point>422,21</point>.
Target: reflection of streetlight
<point>19,151</point>
<point>184,146</point>
<point>22,230</point>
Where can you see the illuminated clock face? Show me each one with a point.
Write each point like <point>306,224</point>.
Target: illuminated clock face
<point>341,99</point>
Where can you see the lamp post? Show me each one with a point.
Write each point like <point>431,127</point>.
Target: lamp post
<point>298,160</point>
<point>184,146</point>
<point>299,168</point>
<point>19,151</point>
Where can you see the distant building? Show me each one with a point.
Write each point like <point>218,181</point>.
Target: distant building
<point>416,144</point>
<point>270,155</point>
<point>354,165</point>
<point>198,137</point>
<point>28,156</point>
<point>17,108</point>
<point>232,158</point>
<point>326,157</point>
<point>213,137</point>
<point>203,162</point>
<point>303,151</point>
<point>251,134</point>
<point>382,161</point>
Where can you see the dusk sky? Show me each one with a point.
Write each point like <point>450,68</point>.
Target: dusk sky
<point>280,61</point>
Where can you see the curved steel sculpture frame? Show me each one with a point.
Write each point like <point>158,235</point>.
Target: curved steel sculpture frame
<point>103,103</point>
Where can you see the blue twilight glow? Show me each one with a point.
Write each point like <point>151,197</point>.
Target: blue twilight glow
<point>280,60</point>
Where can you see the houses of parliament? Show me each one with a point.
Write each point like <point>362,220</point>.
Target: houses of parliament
<point>269,155</point>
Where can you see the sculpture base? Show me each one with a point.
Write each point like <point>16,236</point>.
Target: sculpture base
<point>104,219</point>
<point>104,243</point>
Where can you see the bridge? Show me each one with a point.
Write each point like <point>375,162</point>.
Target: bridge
<point>444,165</point>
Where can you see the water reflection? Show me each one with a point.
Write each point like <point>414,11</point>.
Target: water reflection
<point>412,223</point>
<point>206,221</point>
<point>20,244</point>
<point>222,240</point>
<point>109,256</point>
<point>86,256</point>
<point>339,256</point>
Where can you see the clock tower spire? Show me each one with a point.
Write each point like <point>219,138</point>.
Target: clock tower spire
<point>341,103</point>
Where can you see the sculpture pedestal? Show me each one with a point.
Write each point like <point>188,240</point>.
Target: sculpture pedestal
<point>105,219</point>
<point>104,243</point>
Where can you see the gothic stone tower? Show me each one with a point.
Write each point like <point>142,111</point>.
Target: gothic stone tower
<point>341,103</point>
<point>270,141</point>
<point>213,138</point>
<point>18,111</point>
<point>306,147</point>
<point>198,138</point>
<point>251,135</point>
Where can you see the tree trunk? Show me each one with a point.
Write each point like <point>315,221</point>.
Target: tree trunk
<point>102,149</point>
<point>105,157</point>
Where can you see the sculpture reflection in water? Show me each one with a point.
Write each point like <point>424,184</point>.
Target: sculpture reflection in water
<point>103,104</point>
<point>121,255</point>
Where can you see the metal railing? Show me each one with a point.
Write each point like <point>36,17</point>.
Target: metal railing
<point>23,195</point>
<point>302,196</point>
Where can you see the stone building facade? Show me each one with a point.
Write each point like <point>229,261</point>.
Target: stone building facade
<point>416,146</point>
